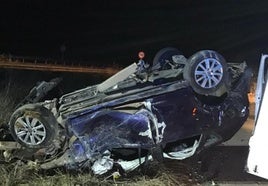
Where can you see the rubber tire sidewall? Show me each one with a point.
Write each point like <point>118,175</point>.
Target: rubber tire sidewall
<point>165,53</point>
<point>42,114</point>
<point>189,73</point>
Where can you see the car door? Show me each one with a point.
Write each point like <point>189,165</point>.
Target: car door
<point>257,163</point>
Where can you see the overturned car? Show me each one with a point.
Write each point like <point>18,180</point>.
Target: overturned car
<point>172,109</point>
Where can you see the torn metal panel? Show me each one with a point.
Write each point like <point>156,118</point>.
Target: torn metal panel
<point>133,164</point>
<point>159,128</point>
<point>118,77</point>
<point>185,153</point>
<point>102,165</point>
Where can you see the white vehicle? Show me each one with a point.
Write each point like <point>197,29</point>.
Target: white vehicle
<point>257,163</point>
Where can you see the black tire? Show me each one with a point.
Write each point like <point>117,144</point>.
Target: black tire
<point>33,126</point>
<point>163,55</point>
<point>207,73</point>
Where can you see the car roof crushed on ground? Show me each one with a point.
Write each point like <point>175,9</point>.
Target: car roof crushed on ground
<point>174,108</point>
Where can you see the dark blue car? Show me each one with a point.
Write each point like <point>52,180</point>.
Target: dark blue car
<point>172,109</point>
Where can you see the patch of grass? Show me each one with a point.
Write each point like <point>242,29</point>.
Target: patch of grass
<point>18,174</point>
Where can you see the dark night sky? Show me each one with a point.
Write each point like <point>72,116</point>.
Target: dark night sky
<point>114,31</point>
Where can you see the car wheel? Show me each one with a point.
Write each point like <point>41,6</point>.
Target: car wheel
<point>33,126</point>
<point>162,57</point>
<point>206,72</point>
